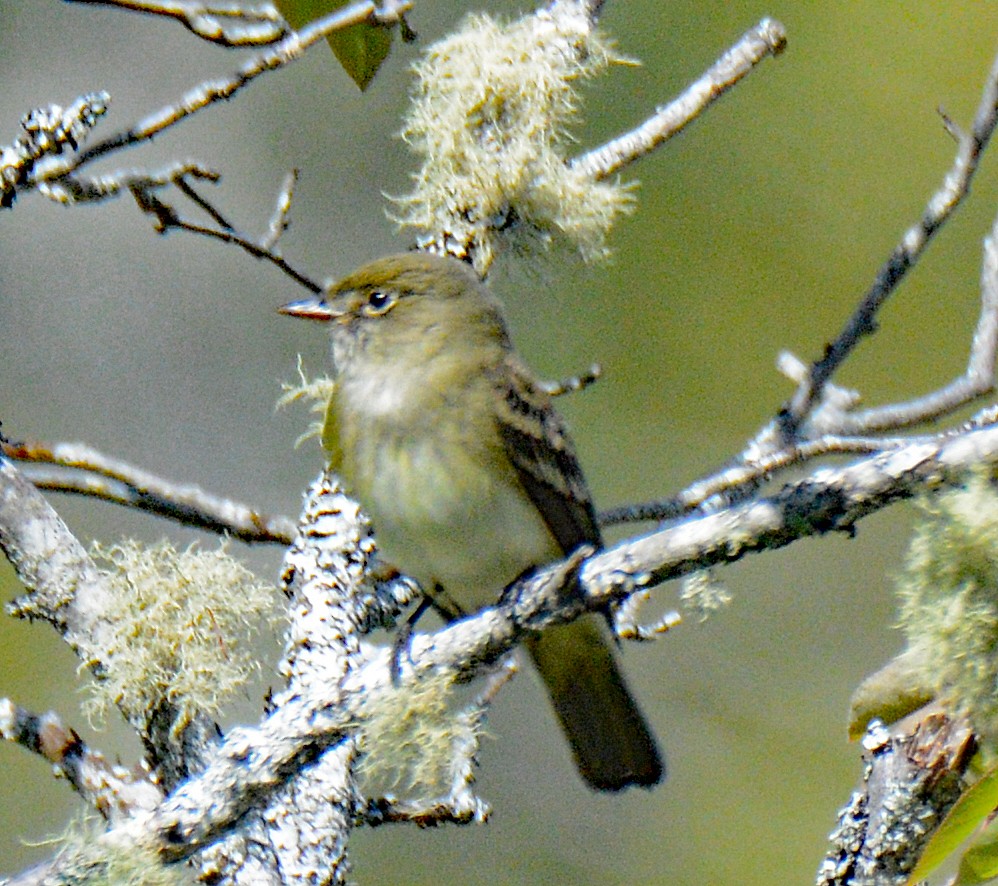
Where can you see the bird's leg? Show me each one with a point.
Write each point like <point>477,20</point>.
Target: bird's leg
<point>565,578</point>
<point>445,607</point>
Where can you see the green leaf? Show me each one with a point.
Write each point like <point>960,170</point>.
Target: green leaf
<point>980,862</point>
<point>360,49</point>
<point>976,804</point>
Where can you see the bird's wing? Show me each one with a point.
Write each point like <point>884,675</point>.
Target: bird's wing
<point>538,445</point>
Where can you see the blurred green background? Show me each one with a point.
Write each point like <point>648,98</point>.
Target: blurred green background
<point>758,229</point>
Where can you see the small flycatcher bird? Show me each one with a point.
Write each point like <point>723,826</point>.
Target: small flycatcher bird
<point>469,477</point>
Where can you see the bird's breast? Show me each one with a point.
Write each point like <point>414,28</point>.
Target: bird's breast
<point>445,501</point>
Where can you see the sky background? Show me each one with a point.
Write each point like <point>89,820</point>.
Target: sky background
<point>757,230</point>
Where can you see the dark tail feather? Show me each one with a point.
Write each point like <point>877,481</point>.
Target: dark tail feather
<point>611,742</point>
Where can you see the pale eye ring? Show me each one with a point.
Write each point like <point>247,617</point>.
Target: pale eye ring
<point>379,301</point>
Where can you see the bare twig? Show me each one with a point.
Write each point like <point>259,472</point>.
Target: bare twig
<point>424,814</point>
<point>279,220</point>
<point>940,207</point>
<point>288,50</point>
<point>768,38</point>
<point>168,218</point>
<point>114,791</point>
<point>54,168</point>
<point>977,380</point>
<point>627,626</point>
<point>734,479</point>
<point>81,469</point>
<point>90,189</point>
<point>832,427</point>
<point>228,24</point>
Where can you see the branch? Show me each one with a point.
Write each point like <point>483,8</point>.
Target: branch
<point>768,38</point>
<point>46,132</point>
<point>288,50</point>
<point>834,430</point>
<point>940,207</point>
<point>494,170</point>
<point>731,480</point>
<point>66,589</point>
<point>41,160</point>
<point>913,776</point>
<point>114,791</point>
<point>227,24</point>
<point>318,714</point>
<point>977,380</point>
<point>77,468</point>
<point>144,190</point>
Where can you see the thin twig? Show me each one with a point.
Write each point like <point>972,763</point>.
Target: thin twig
<point>977,380</point>
<point>424,814</point>
<point>834,428</point>
<point>249,26</point>
<point>88,189</point>
<point>573,383</point>
<point>114,791</point>
<point>168,218</point>
<point>940,207</point>
<point>83,470</point>
<point>737,477</point>
<point>288,50</point>
<point>768,38</point>
<point>282,209</point>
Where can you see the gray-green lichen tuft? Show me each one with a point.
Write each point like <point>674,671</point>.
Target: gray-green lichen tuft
<point>84,858</point>
<point>179,631</point>
<point>411,733</point>
<point>489,117</point>
<point>315,392</point>
<point>949,600</point>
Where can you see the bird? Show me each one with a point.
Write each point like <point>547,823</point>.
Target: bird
<point>470,479</point>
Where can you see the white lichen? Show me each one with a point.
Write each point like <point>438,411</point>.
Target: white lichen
<point>179,631</point>
<point>84,856</point>
<point>949,600</point>
<point>316,392</point>
<point>410,735</point>
<point>703,593</point>
<point>489,118</point>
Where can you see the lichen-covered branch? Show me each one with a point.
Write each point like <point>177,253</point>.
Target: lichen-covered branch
<point>115,791</point>
<point>912,777</point>
<point>276,801</point>
<point>49,155</point>
<point>321,714</point>
<point>66,589</point>
<point>489,122</point>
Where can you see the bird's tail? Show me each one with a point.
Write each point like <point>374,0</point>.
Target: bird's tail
<point>611,742</point>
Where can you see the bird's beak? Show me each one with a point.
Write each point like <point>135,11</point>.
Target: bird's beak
<point>314,308</point>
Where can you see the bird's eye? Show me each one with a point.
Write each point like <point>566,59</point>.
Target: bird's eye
<point>378,302</point>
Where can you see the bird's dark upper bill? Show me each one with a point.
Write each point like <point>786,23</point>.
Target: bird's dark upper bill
<point>308,308</point>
